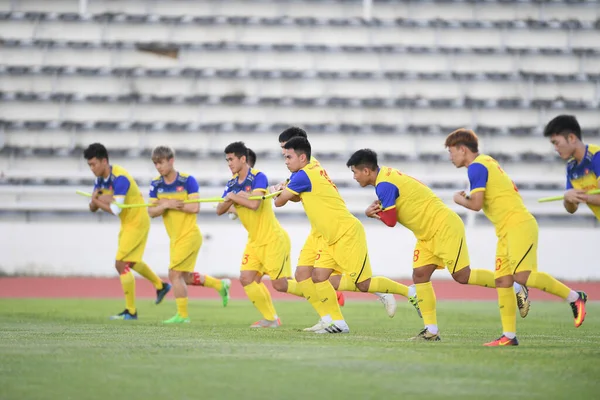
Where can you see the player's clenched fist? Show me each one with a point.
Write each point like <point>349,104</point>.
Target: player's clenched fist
<point>373,210</point>
<point>459,197</point>
<point>576,196</point>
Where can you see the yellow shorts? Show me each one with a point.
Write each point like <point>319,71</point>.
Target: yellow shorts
<point>184,253</point>
<point>272,259</point>
<point>311,252</point>
<point>517,249</point>
<point>446,249</point>
<point>308,254</point>
<point>349,255</point>
<point>132,243</point>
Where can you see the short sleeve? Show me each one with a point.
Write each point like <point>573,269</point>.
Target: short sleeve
<point>478,177</point>
<point>299,183</point>
<point>228,188</point>
<point>596,164</point>
<point>153,190</point>
<point>191,185</point>
<point>121,186</point>
<point>387,193</point>
<point>260,182</point>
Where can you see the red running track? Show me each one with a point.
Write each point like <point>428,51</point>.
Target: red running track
<point>46,287</point>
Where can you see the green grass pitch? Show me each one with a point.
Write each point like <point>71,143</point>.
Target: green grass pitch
<point>67,349</point>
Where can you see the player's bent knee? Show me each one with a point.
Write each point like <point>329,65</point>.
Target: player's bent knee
<point>320,275</point>
<point>121,265</point>
<point>335,281</point>
<point>303,273</point>
<point>504,281</point>
<point>247,278</point>
<point>173,274</point>
<point>280,285</point>
<point>522,277</point>
<point>462,276</point>
<point>423,274</point>
<point>364,285</point>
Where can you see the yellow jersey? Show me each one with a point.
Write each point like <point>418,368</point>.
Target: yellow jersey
<point>313,230</point>
<point>120,184</point>
<point>179,224</point>
<point>261,224</point>
<point>417,207</point>
<point>585,175</point>
<point>324,207</point>
<point>502,203</point>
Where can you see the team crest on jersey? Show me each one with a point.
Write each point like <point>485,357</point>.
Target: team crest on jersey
<point>586,171</point>
<point>179,188</point>
<point>160,190</point>
<point>248,188</point>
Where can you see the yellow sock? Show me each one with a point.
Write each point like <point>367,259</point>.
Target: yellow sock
<point>547,283</point>
<point>508,309</point>
<point>266,292</point>
<point>426,297</point>
<point>293,288</point>
<point>347,285</point>
<point>381,284</point>
<point>144,270</point>
<point>128,283</point>
<point>182,306</point>
<point>211,282</point>
<point>261,300</point>
<point>308,289</point>
<point>328,299</point>
<point>482,277</point>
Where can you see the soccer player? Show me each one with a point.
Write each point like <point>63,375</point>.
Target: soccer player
<point>517,231</point>
<point>583,163</point>
<point>115,186</point>
<point>440,232</point>
<point>168,192</point>
<point>343,244</point>
<point>268,248</point>
<point>310,253</point>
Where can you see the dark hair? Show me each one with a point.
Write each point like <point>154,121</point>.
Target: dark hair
<point>251,160</point>
<point>96,150</point>
<point>237,148</point>
<point>292,132</point>
<point>300,145</point>
<point>463,137</point>
<point>363,158</point>
<point>563,125</point>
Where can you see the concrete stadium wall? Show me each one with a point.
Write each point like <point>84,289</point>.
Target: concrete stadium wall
<point>84,248</point>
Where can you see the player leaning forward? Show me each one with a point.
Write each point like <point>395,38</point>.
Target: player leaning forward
<point>439,231</point>
<point>268,248</point>
<point>114,186</point>
<point>167,194</point>
<point>344,240</point>
<point>517,231</point>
